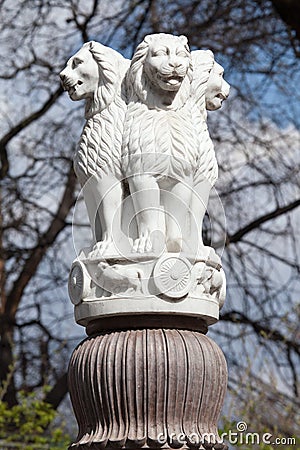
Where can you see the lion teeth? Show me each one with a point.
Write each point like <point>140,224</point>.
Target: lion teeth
<point>173,81</point>
<point>72,88</point>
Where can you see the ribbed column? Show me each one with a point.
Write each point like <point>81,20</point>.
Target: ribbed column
<point>147,388</point>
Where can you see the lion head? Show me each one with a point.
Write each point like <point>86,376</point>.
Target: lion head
<point>208,86</point>
<point>160,74</point>
<point>217,88</point>
<point>94,73</point>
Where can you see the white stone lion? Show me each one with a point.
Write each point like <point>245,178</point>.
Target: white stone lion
<point>95,73</point>
<point>169,158</point>
<point>209,90</point>
<point>160,143</point>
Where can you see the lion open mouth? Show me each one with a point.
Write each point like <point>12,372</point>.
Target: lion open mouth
<point>222,96</point>
<point>172,79</point>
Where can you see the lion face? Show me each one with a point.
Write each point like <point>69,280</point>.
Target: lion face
<point>217,88</point>
<point>167,62</point>
<point>80,77</point>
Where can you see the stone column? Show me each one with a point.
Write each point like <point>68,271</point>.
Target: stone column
<point>147,289</point>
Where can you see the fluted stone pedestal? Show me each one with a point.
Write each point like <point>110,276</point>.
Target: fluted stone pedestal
<point>147,388</point>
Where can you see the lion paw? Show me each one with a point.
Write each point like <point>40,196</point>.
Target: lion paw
<point>142,244</point>
<point>104,247</point>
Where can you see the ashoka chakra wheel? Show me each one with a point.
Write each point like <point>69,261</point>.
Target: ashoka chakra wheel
<point>172,276</point>
<point>78,282</point>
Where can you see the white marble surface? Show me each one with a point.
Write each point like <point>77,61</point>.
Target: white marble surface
<point>146,164</point>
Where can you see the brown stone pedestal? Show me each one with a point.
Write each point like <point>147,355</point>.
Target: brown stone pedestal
<point>147,388</point>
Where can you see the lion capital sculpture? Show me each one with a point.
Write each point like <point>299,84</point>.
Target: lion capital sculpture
<point>147,307</point>
<point>147,124</point>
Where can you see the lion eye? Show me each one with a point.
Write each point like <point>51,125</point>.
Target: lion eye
<point>76,62</point>
<point>159,53</point>
<point>182,54</point>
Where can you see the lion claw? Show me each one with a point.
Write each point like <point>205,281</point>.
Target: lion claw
<point>142,245</point>
<point>105,247</point>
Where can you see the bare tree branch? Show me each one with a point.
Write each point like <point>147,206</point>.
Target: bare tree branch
<point>21,126</point>
<point>44,242</point>
<point>289,11</point>
<point>236,237</point>
<point>260,329</point>
<point>58,392</point>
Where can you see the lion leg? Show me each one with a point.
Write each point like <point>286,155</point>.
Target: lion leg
<point>92,210</point>
<point>197,212</point>
<point>103,196</point>
<point>111,218</point>
<point>146,200</point>
<point>107,193</point>
<point>177,202</point>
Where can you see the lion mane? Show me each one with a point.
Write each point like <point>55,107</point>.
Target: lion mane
<point>203,62</point>
<point>99,148</point>
<point>207,166</point>
<point>166,133</point>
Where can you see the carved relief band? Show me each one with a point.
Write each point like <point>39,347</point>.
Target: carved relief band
<point>147,288</point>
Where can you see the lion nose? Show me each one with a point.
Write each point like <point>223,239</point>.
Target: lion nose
<point>226,88</point>
<point>175,64</point>
<point>63,79</point>
<point>62,76</point>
